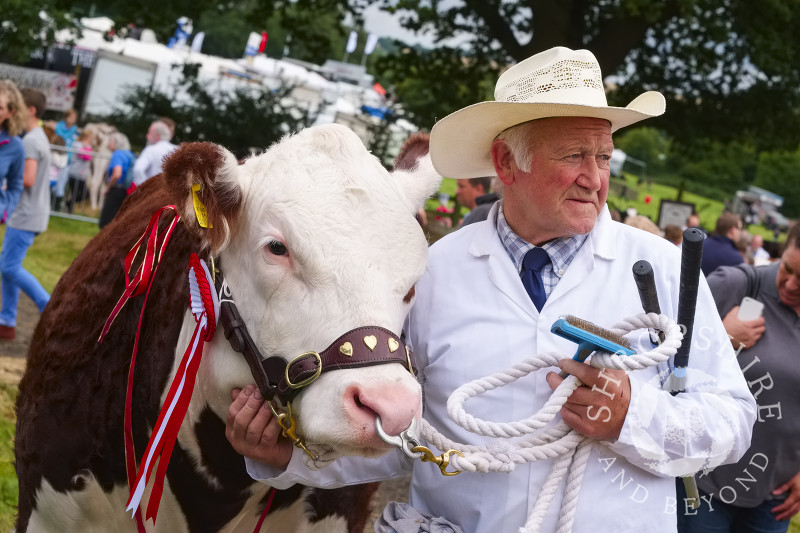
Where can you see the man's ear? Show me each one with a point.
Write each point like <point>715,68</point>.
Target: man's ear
<point>503,161</point>
<point>204,181</point>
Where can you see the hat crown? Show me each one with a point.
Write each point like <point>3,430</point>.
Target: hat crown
<point>558,75</point>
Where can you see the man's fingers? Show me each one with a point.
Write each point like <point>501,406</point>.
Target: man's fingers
<point>582,371</point>
<point>553,380</point>
<point>257,426</point>
<point>787,509</point>
<point>239,397</point>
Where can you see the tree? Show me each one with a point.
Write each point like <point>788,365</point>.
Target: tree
<point>727,67</point>
<point>779,172</point>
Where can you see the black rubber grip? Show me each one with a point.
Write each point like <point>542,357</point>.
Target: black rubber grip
<point>691,258</point>
<point>646,283</point>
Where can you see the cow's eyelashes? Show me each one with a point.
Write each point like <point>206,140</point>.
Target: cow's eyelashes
<point>277,247</point>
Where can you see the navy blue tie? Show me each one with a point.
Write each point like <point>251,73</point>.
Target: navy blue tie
<point>533,263</point>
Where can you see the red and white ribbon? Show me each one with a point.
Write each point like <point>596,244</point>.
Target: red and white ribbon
<point>205,308</point>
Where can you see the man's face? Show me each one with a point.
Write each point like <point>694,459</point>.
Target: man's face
<point>466,193</point>
<point>152,136</point>
<point>5,112</point>
<point>567,185</point>
<point>693,222</point>
<point>757,242</point>
<point>788,280</point>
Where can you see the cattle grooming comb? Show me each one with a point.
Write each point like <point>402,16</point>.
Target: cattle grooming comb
<point>589,337</point>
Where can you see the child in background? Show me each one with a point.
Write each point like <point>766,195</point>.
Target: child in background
<point>79,168</point>
<point>67,129</point>
<point>58,160</point>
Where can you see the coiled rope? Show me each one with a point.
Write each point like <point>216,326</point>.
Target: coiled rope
<point>534,442</point>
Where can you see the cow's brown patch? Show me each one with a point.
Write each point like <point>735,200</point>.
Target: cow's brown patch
<point>416,146</point>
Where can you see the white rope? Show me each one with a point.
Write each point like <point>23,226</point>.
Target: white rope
<point>533,440</point>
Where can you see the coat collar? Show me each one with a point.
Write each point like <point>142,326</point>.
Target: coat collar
<point>485,243</point>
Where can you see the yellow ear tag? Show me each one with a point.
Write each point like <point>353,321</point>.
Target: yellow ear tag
<point>199,208</point>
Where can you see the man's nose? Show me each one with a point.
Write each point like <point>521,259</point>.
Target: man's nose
<point>591,176</point>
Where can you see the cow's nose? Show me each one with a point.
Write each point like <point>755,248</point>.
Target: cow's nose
<point>396,404</point>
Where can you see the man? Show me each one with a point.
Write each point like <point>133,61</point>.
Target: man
<point>28,220</point>
<point>548,139</point>
<point>762,491</point>
<point>720,248</point>
<point>158,147</point>
<point>474,194</point>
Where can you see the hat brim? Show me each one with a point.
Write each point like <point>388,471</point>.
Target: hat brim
<point>461,141</point>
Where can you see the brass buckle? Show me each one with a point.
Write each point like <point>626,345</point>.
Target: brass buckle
<point>408,360</point>
<point>306,381</point>
<point>442,461</point>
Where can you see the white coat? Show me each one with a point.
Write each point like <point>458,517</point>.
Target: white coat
<point>473,317</point>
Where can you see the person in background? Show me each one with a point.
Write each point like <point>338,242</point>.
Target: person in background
<point>28,220</point>
<point>119,175</point>
<point>481,203</point>
<point>760,255</point>
<point>694,222</point>
<point>148,164</point>
<point>12,151</point>
<point>170,124</point>
<point>720,248</point>
<point>58,162</point>
<point>673,234</point>
<point>67,129</point>
<point>643,222</point>
<point>79,168</point>
<point>761,492</point>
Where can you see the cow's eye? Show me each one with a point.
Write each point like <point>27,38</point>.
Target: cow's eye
<point>277,247</point>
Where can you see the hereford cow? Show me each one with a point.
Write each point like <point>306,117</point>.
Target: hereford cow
<point>314,239</point>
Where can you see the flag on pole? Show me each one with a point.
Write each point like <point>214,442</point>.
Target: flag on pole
<point>352,42</point>
<point>197,42</point>
<point>263,45</point>
<point>253,42</point>
<point>372,42</point>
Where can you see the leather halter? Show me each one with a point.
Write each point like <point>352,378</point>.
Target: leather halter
<point>359,347</point>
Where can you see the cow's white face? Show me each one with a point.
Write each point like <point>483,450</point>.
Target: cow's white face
<point>326,241</point>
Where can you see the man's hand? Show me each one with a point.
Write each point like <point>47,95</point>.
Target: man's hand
<point>743,333</point>
<point>598,407</point>
<point>253,430</point>
<point>791,506</point>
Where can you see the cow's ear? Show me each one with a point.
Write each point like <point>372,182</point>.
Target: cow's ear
<point>204,181</point>
<point>414,171</point>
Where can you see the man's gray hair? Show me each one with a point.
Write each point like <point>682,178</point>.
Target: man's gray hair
<point>162,130</point>
<point>121,141</point>
<point>519,139</point>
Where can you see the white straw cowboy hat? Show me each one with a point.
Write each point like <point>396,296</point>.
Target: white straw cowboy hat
<point>556,83</point>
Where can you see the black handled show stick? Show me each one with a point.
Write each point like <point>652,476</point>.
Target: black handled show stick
<point>646,284</point>
<point>691,258</point>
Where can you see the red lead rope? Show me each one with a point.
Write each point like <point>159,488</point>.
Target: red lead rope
<point>141,281</point>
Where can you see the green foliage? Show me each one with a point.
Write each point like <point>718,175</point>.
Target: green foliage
<point>434,83</point>
<point>714,165</point>
<point>240,119</point>
<point>779,172</point>
<point>646,144</point>
<point>23,30</point>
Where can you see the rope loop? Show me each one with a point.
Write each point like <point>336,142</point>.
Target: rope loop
<point>534,440</point>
